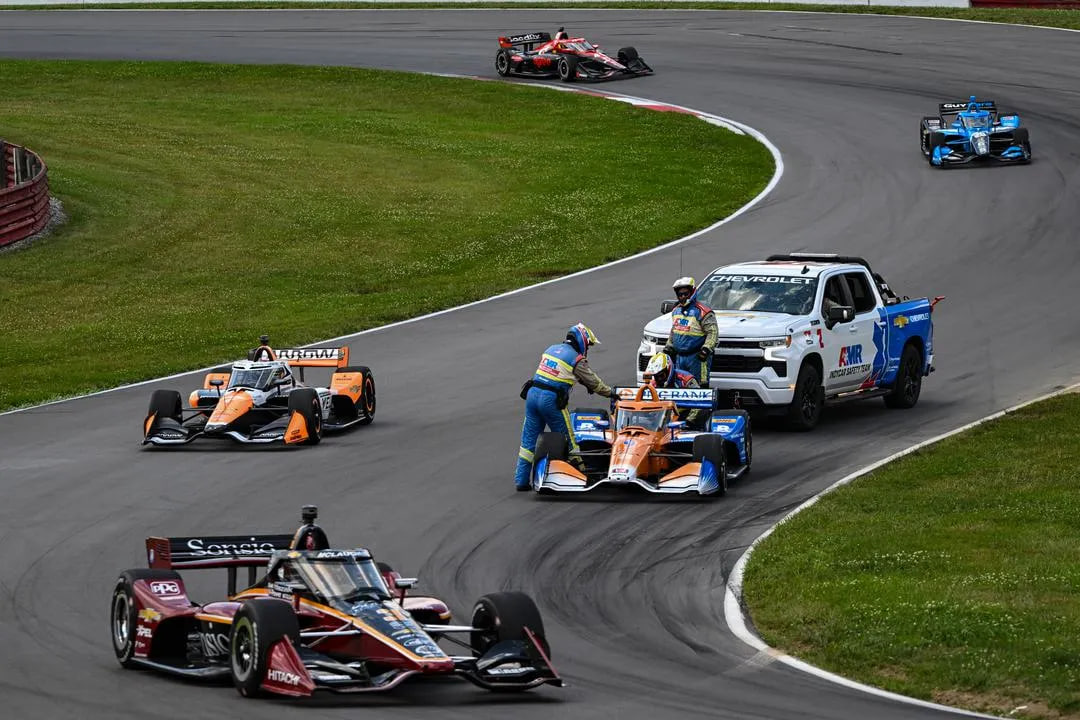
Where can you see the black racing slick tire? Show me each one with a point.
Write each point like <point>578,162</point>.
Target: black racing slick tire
<point>365,405</point>
<point>627,55</point>
<point>936,140</point>
<point>501,616</point>
<point>552,445</point>
<point>306,402</point>
<point>1021,138</point>
<point>166,404</point>
<point>257,625</point>
<point>805,409</point>
<point>908,384</point>
<point>123,612</point>
<point>567,68</point>
<point>711,447</point>
<point>502,63</point>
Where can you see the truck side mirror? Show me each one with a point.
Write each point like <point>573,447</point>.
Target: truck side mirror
<point>667,306</point>
<point>839,314</point>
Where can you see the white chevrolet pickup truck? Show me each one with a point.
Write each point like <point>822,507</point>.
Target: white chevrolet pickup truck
<point>798,331</point>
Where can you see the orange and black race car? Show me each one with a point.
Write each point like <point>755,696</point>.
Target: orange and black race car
<point>317,619</point>
<point>648,446</point>
<point>264,401</point>
<point>537,54</point>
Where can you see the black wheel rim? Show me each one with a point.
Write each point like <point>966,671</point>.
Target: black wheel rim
<point>369,396</point>
<point>485,635</point>
<point>318,416</point>
<point>564,69</point>
<point>501,63</point>
<point>808,400</point>
<point>121,621</point>
<point>243,651</point>
<point>911,380</point>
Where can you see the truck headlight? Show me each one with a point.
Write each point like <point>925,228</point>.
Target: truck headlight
<point>776,342</point>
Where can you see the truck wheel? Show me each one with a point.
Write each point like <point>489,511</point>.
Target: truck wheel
<point>123,617</point>
<point>805,409</point>
<point>306,402</point>
<point>504,616</point>
<point>257,626</point>
<point>711,447</point>
<point>905,390</point>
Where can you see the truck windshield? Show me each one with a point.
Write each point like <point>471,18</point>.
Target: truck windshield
<point>788,294</point>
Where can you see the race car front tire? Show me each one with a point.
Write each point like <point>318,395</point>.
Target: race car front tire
<point>1021,138</point>
<point>306,402</point>
<point>552,445</point>
<point>258,624</point>
<point>502,63</point>
<point>627,55</point>
<point>123,614</point>
<point>711,447</point>
<point>568,68</point>
<point>908,384</point>
<point>166,404</point>
<point>365,404</point>
<point>504,616</point>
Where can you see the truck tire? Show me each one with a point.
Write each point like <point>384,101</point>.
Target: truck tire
<point>908,384</point>
<point>711,447</point>
<point>805,409</point>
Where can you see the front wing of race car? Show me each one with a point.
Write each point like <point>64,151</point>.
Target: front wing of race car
<point>593,435</point>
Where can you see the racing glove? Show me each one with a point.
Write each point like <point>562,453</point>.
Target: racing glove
<point>704,353</point>
<point>670,350</point>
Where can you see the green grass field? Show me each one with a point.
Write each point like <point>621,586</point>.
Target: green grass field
<point>1047,17</point>
<point>210,203</point>
<point>949,575</point>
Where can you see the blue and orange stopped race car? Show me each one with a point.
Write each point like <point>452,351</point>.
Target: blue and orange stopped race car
<point>962,132</point>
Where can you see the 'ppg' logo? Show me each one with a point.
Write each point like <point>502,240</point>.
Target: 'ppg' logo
<point>851,355</point>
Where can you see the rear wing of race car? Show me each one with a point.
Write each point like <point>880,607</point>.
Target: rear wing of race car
<point>314,357</point>
<point>952,108</point>
<point>524,40</point>
<point>218,551</point>
<point>706,398</point>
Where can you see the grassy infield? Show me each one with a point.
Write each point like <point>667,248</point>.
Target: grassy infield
<point>949,575</point>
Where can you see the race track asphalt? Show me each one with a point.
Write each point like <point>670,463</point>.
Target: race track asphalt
<point>631,589</point>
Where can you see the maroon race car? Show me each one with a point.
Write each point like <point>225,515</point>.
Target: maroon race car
<point>319,619</point>
<point>537,54</point>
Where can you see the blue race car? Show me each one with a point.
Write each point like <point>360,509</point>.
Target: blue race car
<point>973,130</point>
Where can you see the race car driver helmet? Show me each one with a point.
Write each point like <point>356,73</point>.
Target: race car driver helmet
<point>580,337</point>
<point>658,369</point>
<point>561,34</point>
<point>684,289</point>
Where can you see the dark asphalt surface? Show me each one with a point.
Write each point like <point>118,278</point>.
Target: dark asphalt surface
<point>631,589</point>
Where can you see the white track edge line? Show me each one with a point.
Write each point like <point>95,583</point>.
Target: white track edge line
<point>778,173</point>
<point>733,608</point>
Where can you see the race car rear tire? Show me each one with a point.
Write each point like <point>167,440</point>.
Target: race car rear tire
<point>711,447</point>
<point>908,384</point>
<point>123,615</point>
<point>568,68</point>
<point>627,55</point>
<point>365,405</point>
<point>805,409</point>
<point>306,402</point>
<point>257,625</point>
<point>504,616</point>
<point>502,63</point>
<point>166,404</point>
<point>552,445</point>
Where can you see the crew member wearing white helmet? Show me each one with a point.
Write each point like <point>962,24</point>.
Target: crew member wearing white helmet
<point>661,374</point>
<point>693,332</point>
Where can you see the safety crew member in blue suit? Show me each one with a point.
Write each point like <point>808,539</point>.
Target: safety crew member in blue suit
<point>693,332</point>
<point>660,373</point>
<point>547,394</point>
